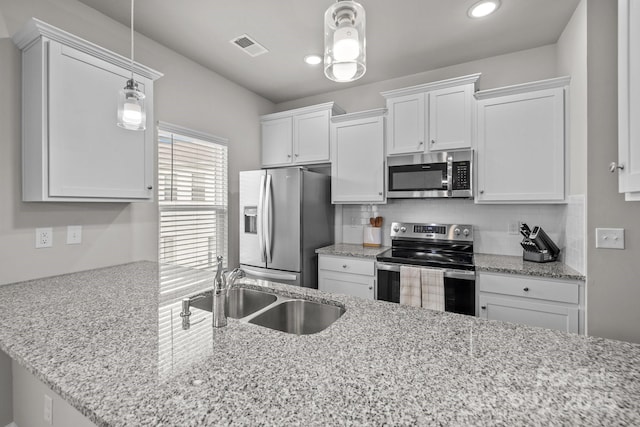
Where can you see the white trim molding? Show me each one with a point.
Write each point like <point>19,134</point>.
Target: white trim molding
<point>36,28</point>
<point>441,84</point>
<point>524,87</point>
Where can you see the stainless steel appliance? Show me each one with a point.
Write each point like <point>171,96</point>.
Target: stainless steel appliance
<point>285,214</point>
<point>443,174</point>
<point>442,246</point>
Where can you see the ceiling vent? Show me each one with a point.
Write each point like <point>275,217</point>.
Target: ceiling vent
<point>249,45</point>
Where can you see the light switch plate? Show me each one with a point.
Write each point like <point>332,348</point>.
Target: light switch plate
<point>74,235</point>
<point>610,238</point>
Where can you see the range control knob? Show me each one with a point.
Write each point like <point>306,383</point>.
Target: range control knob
<point>466,232</point>
<point>403,229</point>
<point>456,231</point>
<point>396,228</point>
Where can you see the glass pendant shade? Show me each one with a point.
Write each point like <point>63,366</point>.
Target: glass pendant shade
<point>131,111</point>
<point>344,41</point>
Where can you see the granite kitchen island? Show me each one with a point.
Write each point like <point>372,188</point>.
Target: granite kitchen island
<point>110,342</point>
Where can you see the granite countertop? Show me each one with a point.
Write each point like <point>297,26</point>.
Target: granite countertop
<point>352,249</point>
<point>110,342</point>
<point>483,262</point>
<point>516,265</point>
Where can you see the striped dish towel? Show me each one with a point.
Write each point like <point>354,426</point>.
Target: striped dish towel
<point>410,288</point>
<point>432,284</point>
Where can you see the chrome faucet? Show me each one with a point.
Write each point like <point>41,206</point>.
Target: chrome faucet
<point>221,285</point>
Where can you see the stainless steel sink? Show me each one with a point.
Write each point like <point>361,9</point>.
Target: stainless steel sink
<point>299,317</point>
<point>240,302</point>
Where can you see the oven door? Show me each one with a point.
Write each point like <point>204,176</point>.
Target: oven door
<point>459,287</point>
<point>418,180</point>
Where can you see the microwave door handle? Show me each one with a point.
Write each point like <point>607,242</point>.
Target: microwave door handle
<point>449,174</point>
<point>260,220</point>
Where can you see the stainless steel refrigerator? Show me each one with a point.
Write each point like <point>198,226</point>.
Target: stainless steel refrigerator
<point>285,215</point>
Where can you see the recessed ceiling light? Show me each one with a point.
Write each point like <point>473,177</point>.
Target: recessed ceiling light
<point>483,8</point>
<point>313,59</point>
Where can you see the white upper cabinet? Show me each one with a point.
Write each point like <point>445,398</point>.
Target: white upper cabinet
<point>628,165</point>
<point>405,124</point>
<point>297,137</point>
<point>277,141</point>
<point>431,117</point>
<point>72,149</point>
<point>521,143</point>
<point>358,163</point>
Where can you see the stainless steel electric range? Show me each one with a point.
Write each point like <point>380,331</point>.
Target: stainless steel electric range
<point>448,247</point>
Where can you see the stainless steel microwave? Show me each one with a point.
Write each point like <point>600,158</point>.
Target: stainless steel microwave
<point>439,174</point>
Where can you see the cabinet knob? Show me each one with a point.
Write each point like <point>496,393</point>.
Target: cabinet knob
<point>481,191</point>
<point>288,156</point>
<point>613,166</point>
<point>344,265</point>
<point>296,156</point>
<point>380,193</point>
<point>370,288</point>
<point>433,141</point>
<point>526,289</point>
<point>420,144</point>
<point>149,187</point>
<point>484,307</point>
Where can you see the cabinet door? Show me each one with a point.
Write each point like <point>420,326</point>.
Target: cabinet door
<point>88,155</point>
<point>515,310</point>
<point>406,124</point>
<point>450,112</point>
<point>277,141</point>
<point>629,98</point>
<point>311,137</point>
<point>520,154</point>
<point>346,284</point>
<point>357,168</point>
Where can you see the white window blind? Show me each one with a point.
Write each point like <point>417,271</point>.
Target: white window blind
<point>193,204</point>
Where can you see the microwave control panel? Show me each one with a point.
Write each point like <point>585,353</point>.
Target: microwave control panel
<point>461,175</point>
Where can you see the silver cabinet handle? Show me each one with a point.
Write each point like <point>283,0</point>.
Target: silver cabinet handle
<point>344,265</point>
<point>481,191</point>
<point>420,144</point>
<point>288,156</point>
<point>370,288</point>
<point>296,156</point>
<point>149,187</point>
<point>613,166</point>
<point>484,307</point>
<point>526,289</point>
<point>433,141</point>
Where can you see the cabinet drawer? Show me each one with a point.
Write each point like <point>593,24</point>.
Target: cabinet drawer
<point>347,265</point>
<point>530,287</point>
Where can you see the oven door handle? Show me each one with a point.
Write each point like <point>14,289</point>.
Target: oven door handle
<point>452,274</point>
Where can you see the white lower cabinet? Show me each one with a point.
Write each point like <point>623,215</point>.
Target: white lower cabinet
<point>533,301</point>
<point>347,275</point>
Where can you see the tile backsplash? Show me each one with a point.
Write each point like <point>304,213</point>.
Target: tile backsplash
<point>491,223</point>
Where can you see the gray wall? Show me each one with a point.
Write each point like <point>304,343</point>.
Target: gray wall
<point>572,61</point>
<point>503,70</point>
<point>188,95</point>
<point>6,394</point>
<point>613,275</point>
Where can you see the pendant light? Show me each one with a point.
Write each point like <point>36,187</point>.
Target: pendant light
<point>131,112</point>
<point>344,41</point>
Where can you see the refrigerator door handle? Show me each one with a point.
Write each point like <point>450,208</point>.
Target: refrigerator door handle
<point>269,275</point>
<point>260,220</point>
<point>267,218</point>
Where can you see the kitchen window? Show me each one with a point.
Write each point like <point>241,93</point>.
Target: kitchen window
<point>193,205</point>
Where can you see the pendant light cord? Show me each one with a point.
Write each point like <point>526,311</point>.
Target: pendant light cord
<point>132,39</point>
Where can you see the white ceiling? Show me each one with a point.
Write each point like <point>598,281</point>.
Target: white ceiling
<point>403,37</point>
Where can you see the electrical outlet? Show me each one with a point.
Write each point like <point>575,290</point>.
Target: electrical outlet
<point>48,410</point>
<point>514,228</point>
<point>74,235</point>
<point>610,238</point>
<point>44,237</point>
